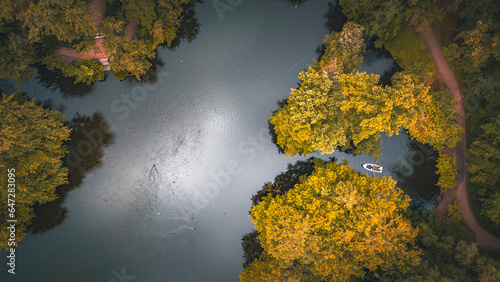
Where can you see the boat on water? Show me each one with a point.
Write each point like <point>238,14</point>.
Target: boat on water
<point>372,167</point>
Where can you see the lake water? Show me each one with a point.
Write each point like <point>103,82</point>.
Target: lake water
<point>169,199</point>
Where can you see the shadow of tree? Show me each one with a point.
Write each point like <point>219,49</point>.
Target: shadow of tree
<point>335,17</point>
<point>417,175</point>
<point>54,79</point>
<point>285,180</point>
<point>89,137</point>
<point>335,20</point>
<point>293,2</point>
<point>282,183</point>
<point>190,26</point>
<point>251,248</point>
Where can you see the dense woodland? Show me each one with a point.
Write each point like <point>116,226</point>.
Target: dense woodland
<point>323,221</point>
<point>336,107</point>
<point>468,31</point>
<point>316,221</point>
<point>31,31</point>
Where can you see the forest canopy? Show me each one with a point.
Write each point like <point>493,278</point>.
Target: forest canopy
<point>334,224</point>
<point>32,31</point>
<point>315,219</point>
<point>336,106</point>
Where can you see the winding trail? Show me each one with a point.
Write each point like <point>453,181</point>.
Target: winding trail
<point>484,239</point>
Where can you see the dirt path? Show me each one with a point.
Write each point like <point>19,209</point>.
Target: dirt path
<point>484,239</point>
<point>130,29</point>
<point>99,7</point>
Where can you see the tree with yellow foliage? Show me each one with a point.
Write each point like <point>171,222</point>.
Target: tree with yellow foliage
<point>334,225</point>
<point>337,107</point>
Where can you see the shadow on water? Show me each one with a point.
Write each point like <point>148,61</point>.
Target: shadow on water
<point>416,175</point>
<point>54,79</point>
<point>385,78</point>
<point>285,180</point>
<point>381,53</point>
<point>187,32</point>
<point>151,76</point>
<point>293,2</point>
<point>335,17</point>
<point>335,20</point>
<point>89,137</point>
<point>6,85</point>
<point>190,26</point>
<point>251,248</point>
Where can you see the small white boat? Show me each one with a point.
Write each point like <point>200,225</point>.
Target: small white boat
<point>372,167</point>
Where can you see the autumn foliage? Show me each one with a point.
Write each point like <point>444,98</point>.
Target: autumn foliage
<point>334,225</point>
<point>31,142</point>
<point>336,106</point>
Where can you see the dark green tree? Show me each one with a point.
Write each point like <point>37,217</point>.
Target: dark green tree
<point>18,57</point>
<point>484,160</point>
<point>132,29</point>
<point>449,254</point>
<point>387,19</point>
